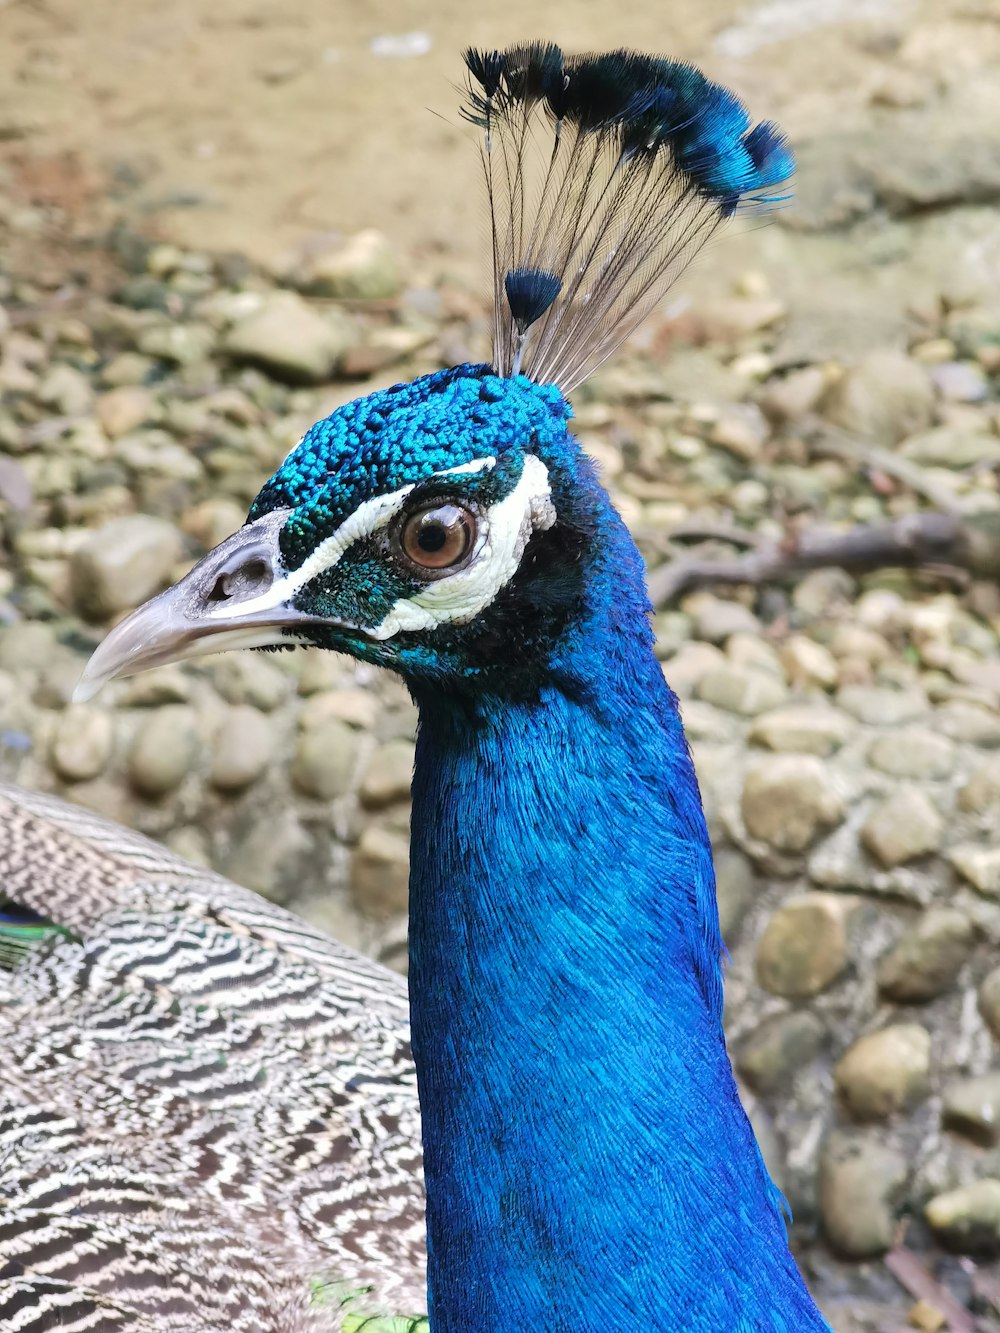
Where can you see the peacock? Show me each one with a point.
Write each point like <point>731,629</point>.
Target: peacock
<point>209,1115</point>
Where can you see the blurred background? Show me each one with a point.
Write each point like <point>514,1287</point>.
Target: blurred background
<point>219,222</point>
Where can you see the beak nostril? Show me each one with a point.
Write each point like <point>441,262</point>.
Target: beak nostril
<point>246,580</point>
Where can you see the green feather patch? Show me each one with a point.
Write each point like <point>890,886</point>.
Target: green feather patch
<point>20,933</point>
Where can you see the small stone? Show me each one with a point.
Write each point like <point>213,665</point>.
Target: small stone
<point>269,855</point>
<point>325,759</point>
<point>808,662</point>
<point>860,1188</point>
<point>122,563</point>
<point>361,268</point>
<point>246,678</point>
<point>860,642</point>
<point>913,753</point>
<point>879,706</point>
<point>968,1218</point>
<point>242,749</point>
<point>357,707</point>
<point>795,395</point>
<point>742,430</point>
<point>971,1107</point>
<point>926,1317</point>
<point>960,382</point>
<point>127,368</point>
<point>690,664</point>
<point>124,409</point>
<point>212,521</point>
<point>885,1071</point>
<point>388,775</point>
<point>66,391</point>
<point>716,620</point>
<point>787,801</point>
<point>779,1049</point>
<point>982,791</point>
<point>380,872</point>
<point>736,889</point>
<point>804,946</point>
<point>979,866</point>
<point>989,1001</point>
<point>901,828</point>
<point>179,344</point>
<point>163,751</point>
<point>927,958</point>
<point>803,728</point>
<point>728,319</point>
<point>947,447</point>
<point>739,690</point>
<point>82,743</point>
<point>289,339</point>
<point>885,397</point>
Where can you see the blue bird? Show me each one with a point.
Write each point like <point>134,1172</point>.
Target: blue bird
<point>587,1162</point>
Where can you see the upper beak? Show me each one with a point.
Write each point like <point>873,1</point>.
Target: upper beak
<point>230,599</point>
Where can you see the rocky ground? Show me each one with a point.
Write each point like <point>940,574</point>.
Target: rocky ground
<point>845,725</point>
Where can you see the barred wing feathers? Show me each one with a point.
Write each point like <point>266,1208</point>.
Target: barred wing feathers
<point>208,1111</point>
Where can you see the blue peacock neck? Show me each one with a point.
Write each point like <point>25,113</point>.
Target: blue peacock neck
<point>588,1163</point>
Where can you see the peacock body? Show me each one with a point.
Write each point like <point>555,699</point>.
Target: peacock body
<point>229,1096</point>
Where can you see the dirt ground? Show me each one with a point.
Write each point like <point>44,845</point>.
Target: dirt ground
<point>253,124</point>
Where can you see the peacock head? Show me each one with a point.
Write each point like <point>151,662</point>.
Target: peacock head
<point>417,528</point>
<point>446,527</point>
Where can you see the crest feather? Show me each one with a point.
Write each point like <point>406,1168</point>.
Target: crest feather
<point>606,174</point>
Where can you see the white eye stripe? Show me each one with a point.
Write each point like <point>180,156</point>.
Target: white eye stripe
<point>370,517</point>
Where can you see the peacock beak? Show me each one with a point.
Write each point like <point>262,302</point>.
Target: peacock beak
<point>230,599</point>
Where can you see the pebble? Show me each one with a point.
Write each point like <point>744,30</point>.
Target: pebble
<point>123,409</point>
<point>361,268</point>
<point>982,791</point>
<point>971,1107</point>
<point>690,664</point>
<point>66,391</point>
<point>357,707</point>
<point>989,1001</point>
<point>960,381</point>
<point>808,663</point>
<point>861,1184</point>
<point>951,448</point>
<point>779,1049</point>
<point>82,743</point>
<point>885,397</point>
<point>290,339</point>
<point>787,801</point>
<point>885,1071</point>
<point>212,521</point>
<point>913,753</point>
<point>122,563</point>
<point>242,749</point>
<point>968,1218</point>
<point>742,430</point>
<point>249,678</point>
<point>716,619</point>
<point>879,706</point>
<point>803,728</point>
<point>739,690</point>
<point>736,888</point>
<point>904,826</point>
<point>978,866</point>
<point>927,958</point>
<point>325,760</point>
<point>794,395</point>
<point>804,946</point>
<point>380,872</point>
<point>388,775</point>
<point>163,751</point>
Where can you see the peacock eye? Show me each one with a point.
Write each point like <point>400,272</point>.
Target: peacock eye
<point>438,538</point>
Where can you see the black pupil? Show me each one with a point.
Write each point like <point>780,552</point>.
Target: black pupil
<point>432,535</point>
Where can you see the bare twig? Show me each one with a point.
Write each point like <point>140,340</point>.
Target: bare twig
<point>915,1278</point>
<point>930,538</point>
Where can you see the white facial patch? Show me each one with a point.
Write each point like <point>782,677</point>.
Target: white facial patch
<point>505,529</point>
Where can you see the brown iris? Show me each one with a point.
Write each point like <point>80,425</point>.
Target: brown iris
<point>438,537</point>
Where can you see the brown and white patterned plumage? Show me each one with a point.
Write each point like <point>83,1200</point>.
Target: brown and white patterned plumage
<point>207,1108</point>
